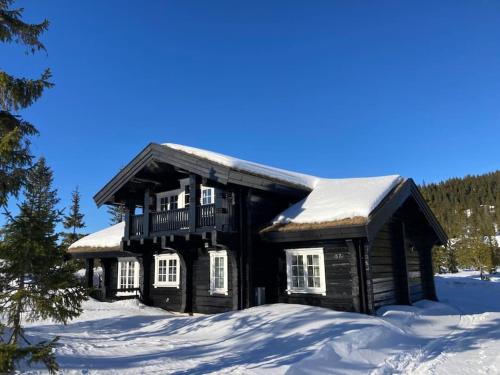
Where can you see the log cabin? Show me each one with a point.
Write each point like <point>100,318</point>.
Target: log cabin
<point>205,232</point>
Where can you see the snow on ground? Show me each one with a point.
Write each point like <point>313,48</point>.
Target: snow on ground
<point>459,335</point>
<point>98,276</point>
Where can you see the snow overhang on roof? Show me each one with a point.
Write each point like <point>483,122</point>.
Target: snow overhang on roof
<point>278,174</point>
<point>105,240</point>
<point>347,209</point>
<point>334,200</point>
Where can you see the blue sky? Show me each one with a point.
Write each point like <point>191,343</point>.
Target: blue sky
<point>331,88</point>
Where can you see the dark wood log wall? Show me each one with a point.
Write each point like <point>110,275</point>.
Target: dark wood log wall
<point>419,256</point>
<point>341,277</point>
<point>263,259</point>
<point>414,273</point>
<point>203,301</point>
<point>419,241</point>
<point>389,266</point>
<point>401,259</point>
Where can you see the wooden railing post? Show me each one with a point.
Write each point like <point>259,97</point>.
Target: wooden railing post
<point>194,201</point>
<point>129,212</point>
<point>145,211</point>
<point>218,209</point>
<point>126,235</point>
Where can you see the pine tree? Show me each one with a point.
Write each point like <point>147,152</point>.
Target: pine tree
<point>117,214</point>
<point>36,281</point>
<point>17,94</point>
<point>74,220</point>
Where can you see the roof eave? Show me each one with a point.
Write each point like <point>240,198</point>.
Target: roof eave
<point>330,233</point>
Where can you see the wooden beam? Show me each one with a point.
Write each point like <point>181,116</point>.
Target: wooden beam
<point>219,215</point>
<point>89,272</point>
<point>404,265</point>
<point>194,201</point>
<point>146,211</point>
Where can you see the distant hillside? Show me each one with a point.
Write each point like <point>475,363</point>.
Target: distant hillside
<point>464,203</point>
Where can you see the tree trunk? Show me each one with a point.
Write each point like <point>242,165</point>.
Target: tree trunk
<point>16,323</point>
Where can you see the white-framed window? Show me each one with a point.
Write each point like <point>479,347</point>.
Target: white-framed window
<point>167,201</point>
<point>128,276</point>
<point>167,270</point>
<point>174,199</point>
<point>218,272</point>
<point>305,271</point>
<point>207,195</point>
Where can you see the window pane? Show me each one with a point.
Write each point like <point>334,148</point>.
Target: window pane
<point>162,270</point>
<point>173,202</point>
<point>300,282</point>
<point>313,279</point>
<point>123,275</point>
<point>206,196</point>
<point>130,272</point>
<point>163,204</point>
<point>316,260</point>
<point>218,272</point>
<point>172,270</point>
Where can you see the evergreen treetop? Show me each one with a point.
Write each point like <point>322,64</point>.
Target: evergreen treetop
<point>117,214</point>
<point>73,220</point>
<point>16,94</point>
<point>37,282</point>
<point>14,29</point>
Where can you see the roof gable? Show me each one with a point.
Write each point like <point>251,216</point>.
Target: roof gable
<point>358,226</point>
<point>216,167</point>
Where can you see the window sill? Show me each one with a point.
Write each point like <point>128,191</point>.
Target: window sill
<point>306,291</point>
<point>125,294</point>
<point>166,286</point>
<point>218,292</point>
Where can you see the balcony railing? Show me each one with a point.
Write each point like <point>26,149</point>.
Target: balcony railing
<point>205,215</point>
<point>137,226</point>
<point>172,220</point>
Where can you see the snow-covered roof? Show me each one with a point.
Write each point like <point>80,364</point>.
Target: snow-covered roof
<point>248,166</point>
<point>339,199</point>
<point>106,239</point>
<point>350,200</point>
<point>329,199</point>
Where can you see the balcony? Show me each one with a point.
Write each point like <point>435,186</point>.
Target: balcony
<point>172,221</point>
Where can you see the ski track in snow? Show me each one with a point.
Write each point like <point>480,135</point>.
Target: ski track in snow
<point>472,346</point>
<point>459,335</point>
